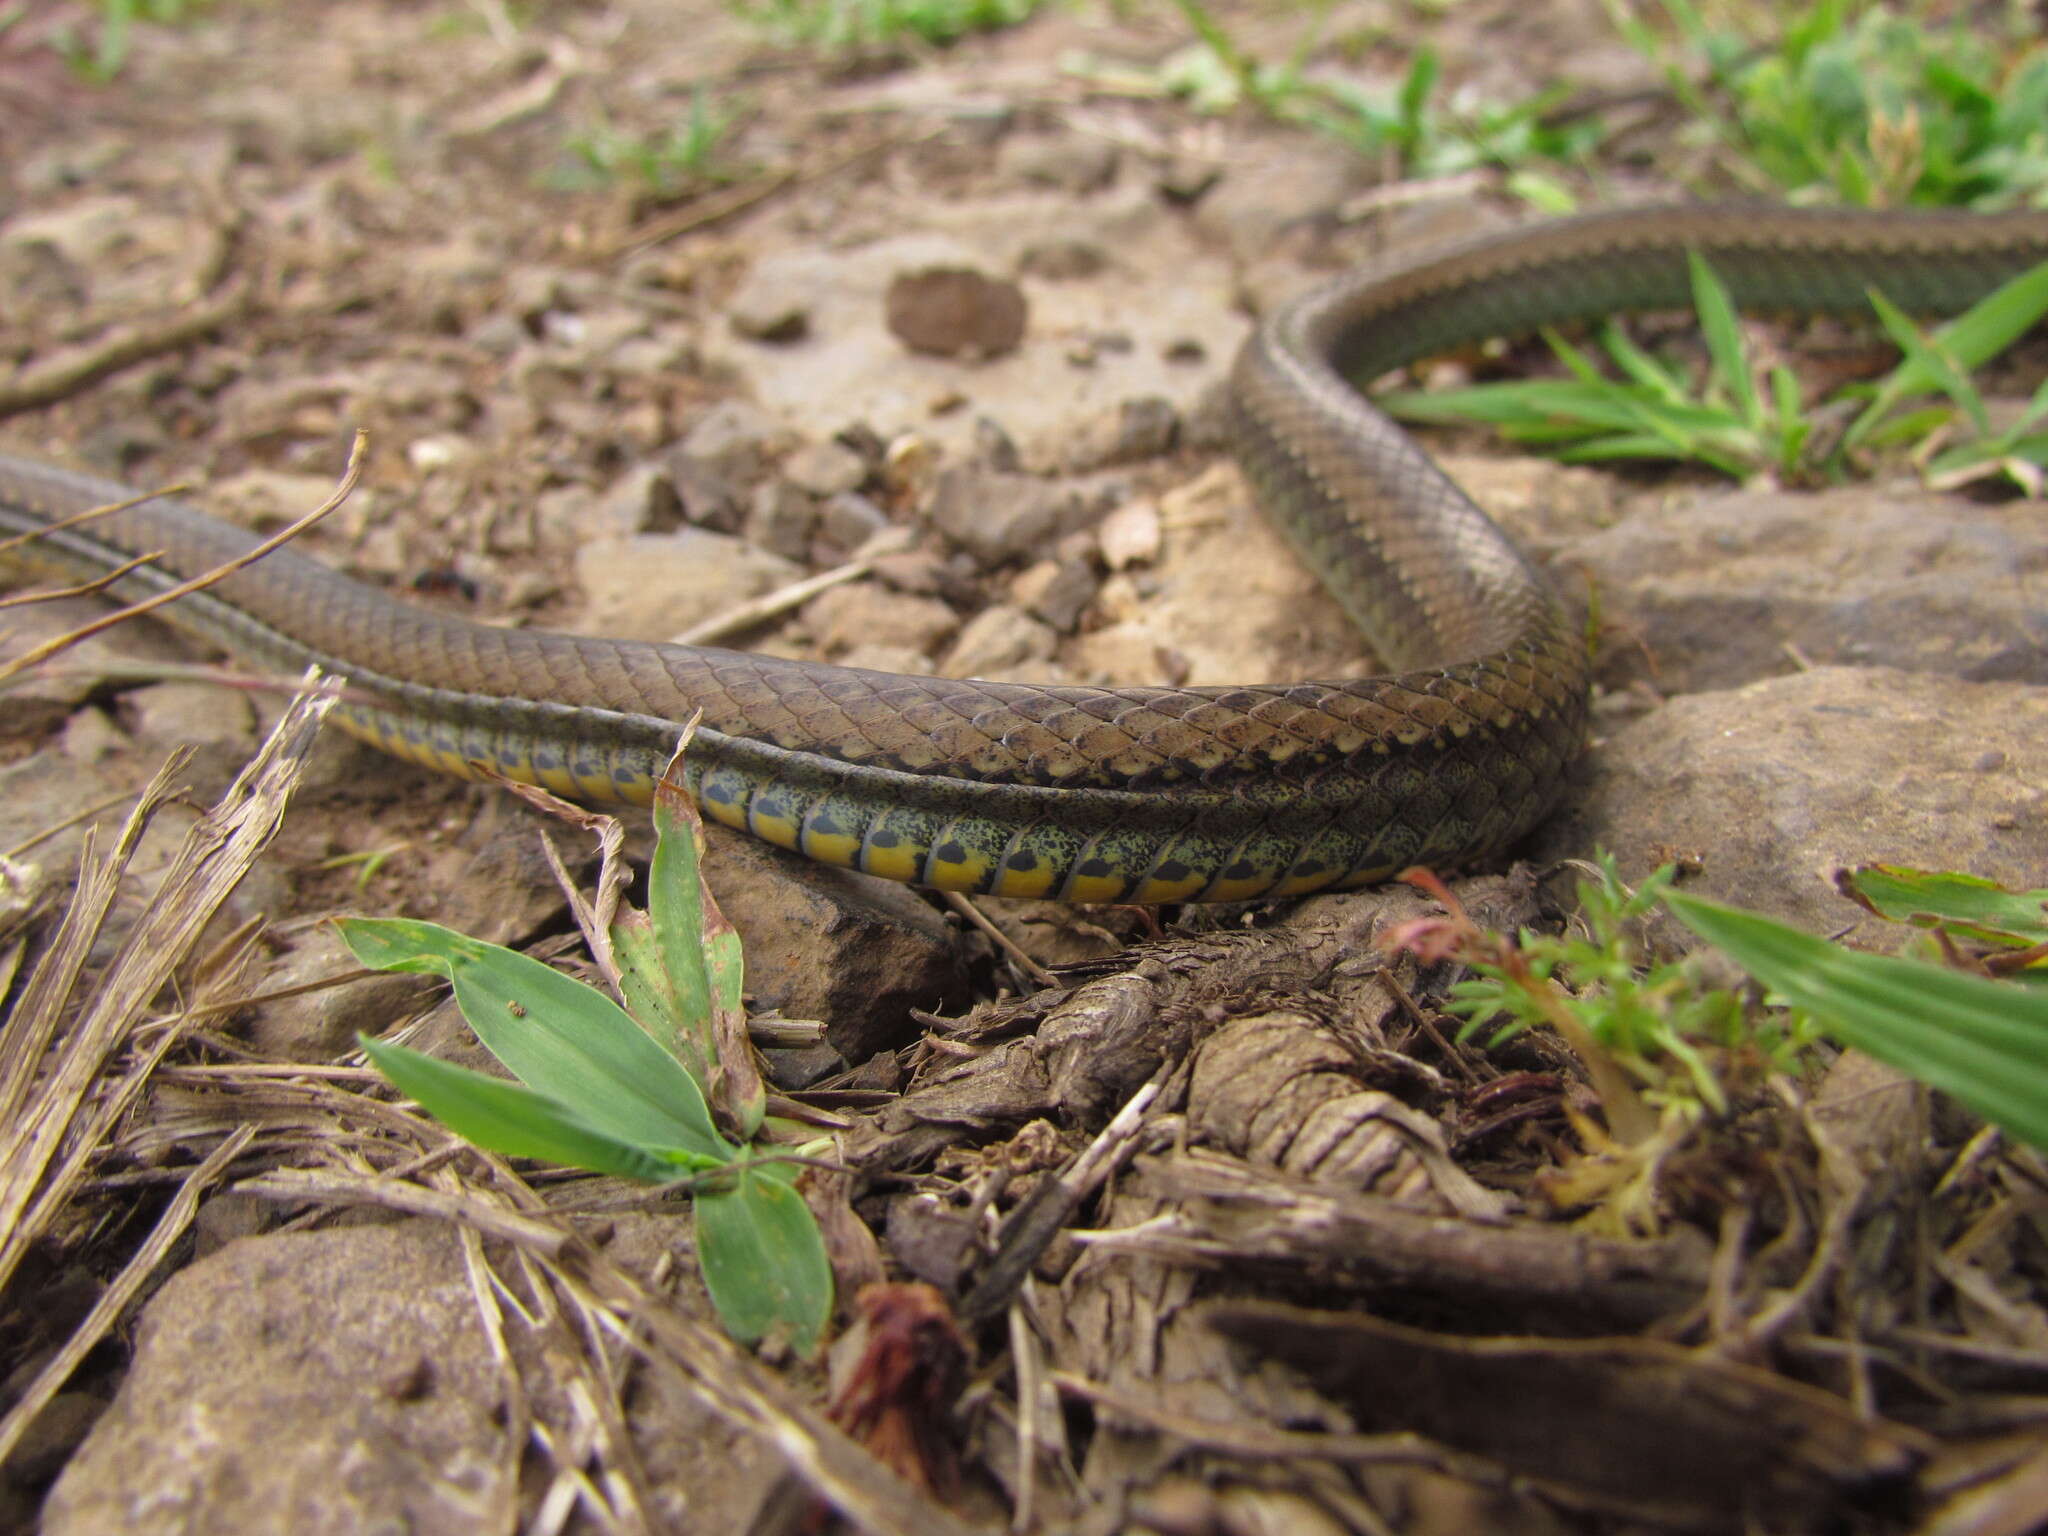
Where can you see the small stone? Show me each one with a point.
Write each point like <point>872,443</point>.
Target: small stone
<point>850,519</point>
<point>642,500</point>
<point>653,586</point>
<point>40,278</point>
<point>767,306</point>
<point>998,640</point>
<point>735,435</point>
<point>1071,162</point>
<point>827,944</point>
<point>529,589</point>
<point>997,516</point>
<point>1130,535</point>
<point>917,571</point>
<point>1143,428</point>
<point>956,312</point>
<point>1060,261</point>
<point>1185,178</point>
<point>720,460</point>
<point>90,737</point>
<point>500,335</point>
<point>228,1214</point>
<point>860,613</point>
<point>781,520</point>
<point>909,463</point>
<point>1057,591</point>
<point>268,499</point>
<point>825,469</point>
<point>994,447</point>
<point>189,714</point>
<point>321,1025</point>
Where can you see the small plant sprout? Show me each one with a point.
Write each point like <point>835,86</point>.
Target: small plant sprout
<point>661,1090</point>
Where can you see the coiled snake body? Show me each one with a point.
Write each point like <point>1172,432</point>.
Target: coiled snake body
<point>1105,794</point>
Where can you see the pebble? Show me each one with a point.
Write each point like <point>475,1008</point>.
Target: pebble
<point>1131,535</point>
<point>825,469</point>
<point>1057,591</point>
<point>956,312</point>
<point>998,516</point>
<point>862,613</point>
<point>781,519</point>
<point>189,714</point>
<point>1142,428</point>
<point>999,640</point>
<point>721,459</point>
<point>768,307</point>
<point>1072,162</point>
<point>850,520</point>
<point>642,500</point>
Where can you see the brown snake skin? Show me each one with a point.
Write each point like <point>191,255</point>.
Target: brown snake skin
<point>1107,794</point>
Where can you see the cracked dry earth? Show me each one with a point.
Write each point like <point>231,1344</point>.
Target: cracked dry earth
<point>593,407</point>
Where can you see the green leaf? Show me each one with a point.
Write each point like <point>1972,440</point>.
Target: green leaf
<point>764,1259</point>
<point>1971,339</point>
<point>507,1118</point>
<point>557,1036</point>
<point>701,951</point>
<point>1964,905</point>
<point>1984,1042</point>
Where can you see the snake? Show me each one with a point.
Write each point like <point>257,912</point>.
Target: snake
<point>1076,792</point>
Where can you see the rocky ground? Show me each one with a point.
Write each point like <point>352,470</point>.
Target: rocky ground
<point>595,404</point>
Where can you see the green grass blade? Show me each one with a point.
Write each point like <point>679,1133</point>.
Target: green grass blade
<point>1723,335</point>
<point>1971,339</point>
<point>559,1037</point>
<point>1984,1042</point>
<point>764,1260</point>
<point>1930,358</point>
<point>1793,429</point>
<point>1640,366</point>
<point>513,1120</point>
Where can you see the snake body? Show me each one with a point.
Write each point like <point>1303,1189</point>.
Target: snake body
<point>1086,793</point>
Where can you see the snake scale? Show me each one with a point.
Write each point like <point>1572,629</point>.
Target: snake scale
<point>1085,793</point>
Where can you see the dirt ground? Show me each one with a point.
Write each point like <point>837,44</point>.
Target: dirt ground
<point>1222,1234</point>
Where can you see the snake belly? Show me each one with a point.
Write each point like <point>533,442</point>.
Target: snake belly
<point>1082,793</point>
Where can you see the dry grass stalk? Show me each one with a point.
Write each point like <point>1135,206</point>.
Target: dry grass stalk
<point>65,1104</point>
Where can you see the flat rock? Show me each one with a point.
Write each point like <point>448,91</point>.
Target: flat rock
<point>847,368</point>
<point>1725,589</point>
<point>337,1382</point>
<point>265,1395</point>
<point>1774,786</point>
